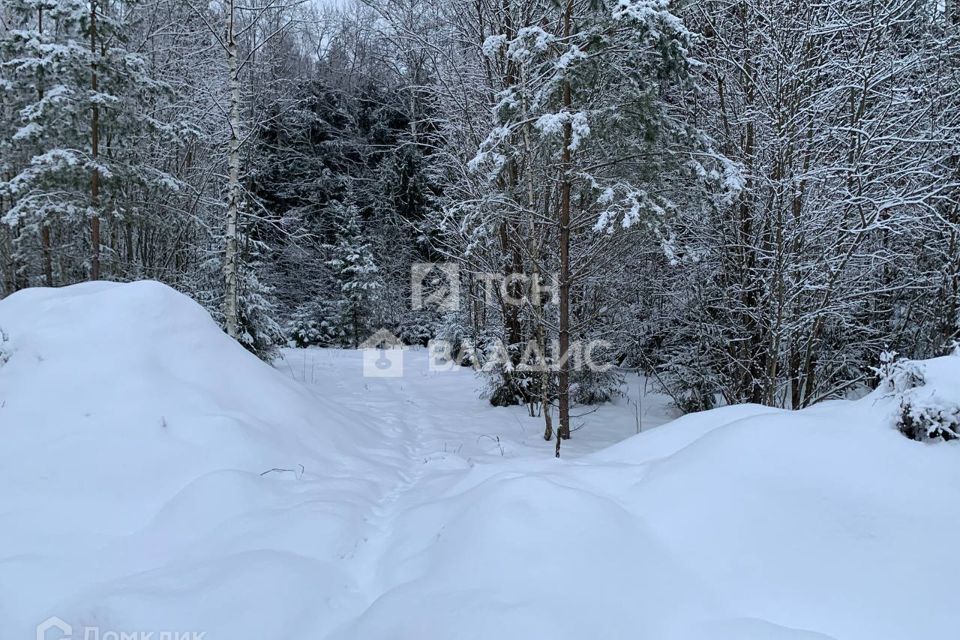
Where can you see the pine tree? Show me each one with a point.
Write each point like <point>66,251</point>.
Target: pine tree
<point>46,72</point>
<point>71,83</point>
<point>585,139</point>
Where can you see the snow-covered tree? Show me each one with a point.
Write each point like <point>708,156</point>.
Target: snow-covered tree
<point>80,105</point>
<point>355,273</point>
<point>582,137</point>
<point>842,119</point>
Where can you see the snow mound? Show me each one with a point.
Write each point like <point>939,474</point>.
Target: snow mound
<point>741,523</point>
<point>146,458</point>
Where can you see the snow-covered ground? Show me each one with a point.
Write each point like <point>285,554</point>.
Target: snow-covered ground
<point>154,477</point>
<point>457,419</point>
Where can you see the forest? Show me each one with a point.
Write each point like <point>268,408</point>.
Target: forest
<point>479,319</point>
<point>748,200</point>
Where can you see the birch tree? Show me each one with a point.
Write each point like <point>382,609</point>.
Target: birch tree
<point>240,22</point>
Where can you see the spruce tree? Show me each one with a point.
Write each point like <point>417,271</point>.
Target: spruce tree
<point>355,272</point>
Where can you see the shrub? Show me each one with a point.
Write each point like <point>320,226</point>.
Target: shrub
<point>318,324</point>
<point>924,416</point>
<point>923,422</point>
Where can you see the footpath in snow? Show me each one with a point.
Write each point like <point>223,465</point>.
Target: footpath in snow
<point>154,477</point>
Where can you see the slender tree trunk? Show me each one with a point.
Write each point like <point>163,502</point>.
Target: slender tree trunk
<point>10,264</point>
<point>539,306</point>
<point>230,304</point>
<point>44,224</point>
<point>563,399</point>
<point>544,382</point>
<point>128,232</point>
<point>47,259</point>
<point>94,151</point>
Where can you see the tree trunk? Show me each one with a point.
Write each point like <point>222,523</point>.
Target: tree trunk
<point>44,225</point>
<point>47,259</point>
<point>94,151</point>
<point>10,264</point>
<point>230,303</point>
<point>544,383</point>
<point>563,399</point>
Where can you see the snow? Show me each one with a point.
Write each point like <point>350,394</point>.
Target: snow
<point>493,44</point>
<point>528,42</point>
<point>651,13</point>
<point>133,438</point>
<point>27,131</point>
<point>552,124</point>
<point>156,477</point>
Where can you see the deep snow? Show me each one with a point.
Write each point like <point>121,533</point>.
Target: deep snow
<point>155,477</point>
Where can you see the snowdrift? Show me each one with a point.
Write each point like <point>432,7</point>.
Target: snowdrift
<point>743,523</point>
<point>156,477</point>
<point>133,436</point>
